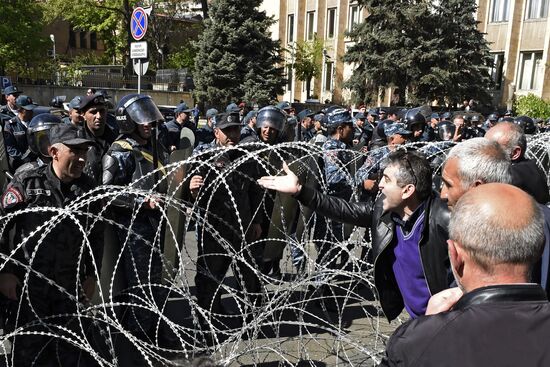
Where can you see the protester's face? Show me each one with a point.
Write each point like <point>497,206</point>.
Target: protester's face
<point>452,189</point>
<point>268,134</point>
<point>229,136</point>
<point>393,193</point>
<point>96,117</point>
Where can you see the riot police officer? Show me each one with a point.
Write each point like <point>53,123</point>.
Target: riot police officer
<point>75,117</point>
<point>226,222</point>
<point>94,113</point>
<point>205,134</point>
<point>38,136</point>
<point>130,159</point>
<point>56,270</point>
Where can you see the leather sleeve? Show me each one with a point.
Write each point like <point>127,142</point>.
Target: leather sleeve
<point>340,210</point>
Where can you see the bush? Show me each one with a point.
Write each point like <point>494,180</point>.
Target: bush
<point>532,106</point>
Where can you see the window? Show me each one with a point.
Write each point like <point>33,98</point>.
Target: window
<point>289,77</point>
<point>290,28</point>
<point>532,71</point>
<point>499,12</point>
<point>328,76</point>
<point>93,41</point>
<point>537,9</point>
<point>331,22</point>
<point>497,69</point>
<point>72,38</point>
<point>353,16</point>
<point>310,31</point>
<point>83,43</point>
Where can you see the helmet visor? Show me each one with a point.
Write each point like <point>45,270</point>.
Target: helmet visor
<point>144,111</point>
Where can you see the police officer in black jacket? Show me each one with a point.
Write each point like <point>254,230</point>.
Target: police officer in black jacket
<point>54,268</point>
<point>409,230</point>
<point>132,159</point>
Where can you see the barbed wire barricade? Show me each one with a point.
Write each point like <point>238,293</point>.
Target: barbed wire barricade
<point>316,312</point>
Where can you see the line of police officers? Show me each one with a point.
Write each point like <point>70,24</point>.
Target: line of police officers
<point>55,255</point>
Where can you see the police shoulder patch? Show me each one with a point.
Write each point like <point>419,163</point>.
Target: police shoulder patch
<point>11,198</point>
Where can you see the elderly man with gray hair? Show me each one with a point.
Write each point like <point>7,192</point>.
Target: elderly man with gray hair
<point>495,317</point>
<point>525,173</point>
<point>480,161</point>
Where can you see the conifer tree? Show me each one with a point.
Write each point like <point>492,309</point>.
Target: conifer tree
<point>236,57</point>
<point>427,51</point>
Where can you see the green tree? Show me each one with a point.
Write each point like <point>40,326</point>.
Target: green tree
<point>533,106</point>
<point>108,18</point>
<point>236,57</point>
<point>427,51</point>
<point>464,52</point>
<point>22,46</point>
<point>308,61</point>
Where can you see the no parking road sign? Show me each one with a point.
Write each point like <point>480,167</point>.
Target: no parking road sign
<point>138,24</point>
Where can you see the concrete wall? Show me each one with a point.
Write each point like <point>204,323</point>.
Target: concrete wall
<point>42,94</point>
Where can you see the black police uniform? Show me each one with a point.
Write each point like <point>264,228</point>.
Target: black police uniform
<point>6,110</point>
<point>125,162</point>
<point>55,258</point>
<point>226,212</point>
<point>97,150</point>
<point>17,145</point>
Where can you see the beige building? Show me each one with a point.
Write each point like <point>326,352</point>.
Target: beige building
<point>519,36</point>
<point>300,20</point>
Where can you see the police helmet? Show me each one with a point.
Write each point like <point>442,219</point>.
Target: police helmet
<point>493,117</point>
<point>57,101</point>
<point>446,130</point>
<point>527,124</point>
<point>507,119</point>
<point>135,109</point>
<point>38,133</point>
<point>271,116</point>
<point>414,117</point>
<point>381,127</point>
<point>475,118</point>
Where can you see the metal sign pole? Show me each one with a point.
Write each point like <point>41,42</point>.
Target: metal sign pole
<point>139,76</point>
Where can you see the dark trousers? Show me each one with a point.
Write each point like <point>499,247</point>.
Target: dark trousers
<point>215,256</point>
<point>142,263</point>
<point>47,311</point>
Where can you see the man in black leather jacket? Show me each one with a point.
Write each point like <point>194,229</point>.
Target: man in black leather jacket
<point>409,230</point>
<point>501,319</point>
<point>525,173</point>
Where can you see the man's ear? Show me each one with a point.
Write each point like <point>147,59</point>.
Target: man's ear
<point>456,256</point>
<point>516,153</point>
<point>408,191</point>
<point>52,152</point>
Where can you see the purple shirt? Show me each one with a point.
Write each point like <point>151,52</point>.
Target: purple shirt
<point>407,266</point>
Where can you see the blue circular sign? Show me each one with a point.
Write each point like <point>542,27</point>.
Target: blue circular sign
<point>138,23</point>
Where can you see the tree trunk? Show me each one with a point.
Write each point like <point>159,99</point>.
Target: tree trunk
<point>308,87</point>
<point>204,4</point>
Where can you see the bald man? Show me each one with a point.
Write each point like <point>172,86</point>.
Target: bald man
<point>525,173</point>
<point>495,317</point>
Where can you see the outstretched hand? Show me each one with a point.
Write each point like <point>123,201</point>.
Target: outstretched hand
<point>288,184</point>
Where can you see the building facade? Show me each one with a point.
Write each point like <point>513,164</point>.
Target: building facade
<point>519,38</point>
<point>328,20</point>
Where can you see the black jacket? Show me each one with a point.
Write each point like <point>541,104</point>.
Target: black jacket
<point>527,176</point>
<point>56,246</point>
<point>433,244</point>
<point>503,325</point>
